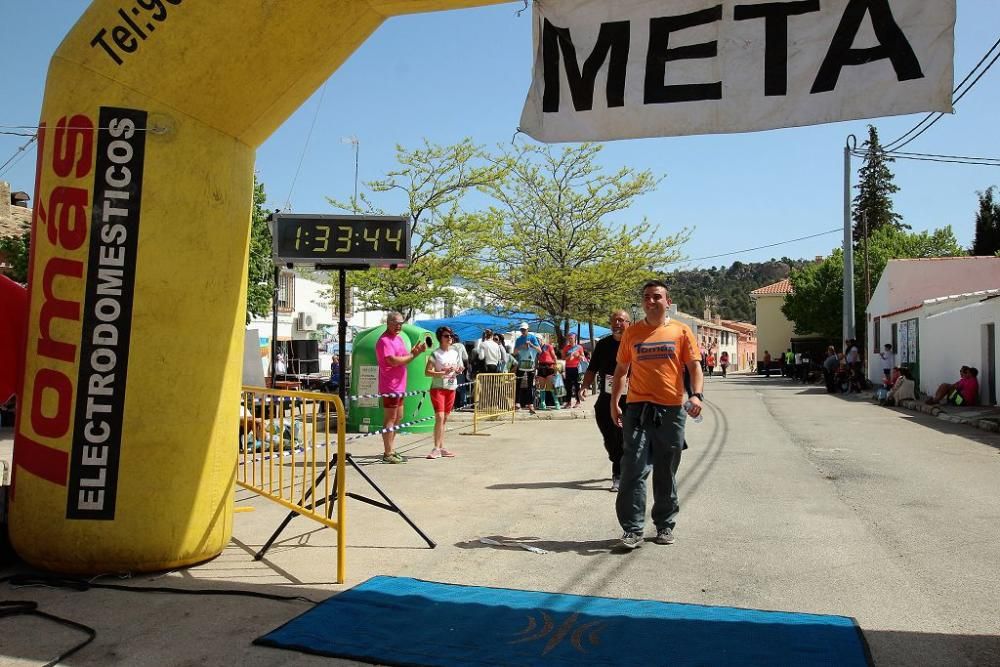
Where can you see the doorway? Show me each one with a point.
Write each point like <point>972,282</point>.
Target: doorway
<point>988,378</point>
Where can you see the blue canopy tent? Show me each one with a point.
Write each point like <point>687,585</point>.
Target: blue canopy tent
<point>471,324</point>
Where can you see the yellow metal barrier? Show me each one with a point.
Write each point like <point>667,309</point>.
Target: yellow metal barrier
<point>494,398</point>
<point>285,448</point>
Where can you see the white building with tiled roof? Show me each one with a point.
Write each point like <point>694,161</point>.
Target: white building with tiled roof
<point>906,310</point>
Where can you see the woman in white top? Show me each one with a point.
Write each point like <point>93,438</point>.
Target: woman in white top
<point>443,367</point>
<point>888,360</point>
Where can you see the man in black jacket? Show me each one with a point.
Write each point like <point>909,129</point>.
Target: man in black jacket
<point>602,366</point>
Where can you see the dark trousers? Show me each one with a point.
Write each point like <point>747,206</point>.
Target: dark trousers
<point>611,432</point>
<point>653,440</point>
<point>572,385</point>
<point>525,388</point>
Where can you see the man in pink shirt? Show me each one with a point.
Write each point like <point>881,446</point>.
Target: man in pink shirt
<point>392,356</point>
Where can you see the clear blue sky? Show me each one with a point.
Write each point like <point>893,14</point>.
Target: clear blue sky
<point>455,74</point>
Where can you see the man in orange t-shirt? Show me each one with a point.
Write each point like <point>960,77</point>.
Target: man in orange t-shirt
<point>653,353</point>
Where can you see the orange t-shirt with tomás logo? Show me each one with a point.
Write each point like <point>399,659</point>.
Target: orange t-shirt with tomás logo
<point>657,356</point>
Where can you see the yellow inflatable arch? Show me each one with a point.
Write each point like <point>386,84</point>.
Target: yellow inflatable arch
<point>124,451</point>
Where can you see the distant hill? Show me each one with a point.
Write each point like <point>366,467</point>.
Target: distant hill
<point>727,288</point>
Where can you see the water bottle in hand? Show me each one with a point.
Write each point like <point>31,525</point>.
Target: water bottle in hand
<point>687,408</point>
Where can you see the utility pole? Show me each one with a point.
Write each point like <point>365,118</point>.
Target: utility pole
<point>848,316</point>
<point>868,277</point>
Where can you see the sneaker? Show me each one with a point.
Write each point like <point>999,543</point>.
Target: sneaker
<point>393,458</point>
<point>435,454</point>
<point>664,536</point>
<point>615,484</point>
<point>445,453</point>
<point>631,540</point>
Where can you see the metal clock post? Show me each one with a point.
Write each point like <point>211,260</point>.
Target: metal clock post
<point>344,243</point>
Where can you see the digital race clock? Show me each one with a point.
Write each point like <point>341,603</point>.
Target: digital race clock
<point>341,240</point>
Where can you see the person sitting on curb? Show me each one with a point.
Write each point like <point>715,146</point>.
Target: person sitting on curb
<point>903,390</point>
<point>963,392</point>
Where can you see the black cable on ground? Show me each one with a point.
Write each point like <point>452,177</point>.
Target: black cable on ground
<point>29,608</point>
<point>72,583</point>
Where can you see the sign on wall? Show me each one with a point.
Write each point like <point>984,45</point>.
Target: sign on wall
<point>644,68</point>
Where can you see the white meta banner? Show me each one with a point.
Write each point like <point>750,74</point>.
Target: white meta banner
<point>620,69</point>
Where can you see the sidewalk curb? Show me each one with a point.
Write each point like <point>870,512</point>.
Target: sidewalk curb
<point>934,411</point>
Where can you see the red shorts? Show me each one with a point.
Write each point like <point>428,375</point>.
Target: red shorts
<point>443,400</point>
<point>392,401</point>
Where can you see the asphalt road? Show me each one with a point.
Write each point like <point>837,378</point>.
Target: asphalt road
<point>790,500</point>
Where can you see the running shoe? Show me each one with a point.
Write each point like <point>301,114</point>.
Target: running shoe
<point>631,540</point>
<point>664,536</point>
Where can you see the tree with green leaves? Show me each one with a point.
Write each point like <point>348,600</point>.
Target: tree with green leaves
<point>559,250</point>
<point>260,276</point>
<point>446,239</point>
<point>875,190</point>
<point>987,239</point>
<point>816,302</point>
<point>17,250</point>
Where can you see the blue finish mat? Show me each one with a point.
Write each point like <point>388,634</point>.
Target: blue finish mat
<point>401,621</point>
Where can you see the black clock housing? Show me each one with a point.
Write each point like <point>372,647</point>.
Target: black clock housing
<point>341,240</point>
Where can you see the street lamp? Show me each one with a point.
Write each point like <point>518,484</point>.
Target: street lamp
<point>353,140</point>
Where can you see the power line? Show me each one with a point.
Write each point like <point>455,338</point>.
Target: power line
<point>933,157</point>
<point>19,153</point>
<point>892,145</point>
<point>288,199</point>
<point>770,245</point>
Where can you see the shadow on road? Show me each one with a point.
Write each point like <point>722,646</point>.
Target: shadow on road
<point>600,484</point>
<point>583,548</point>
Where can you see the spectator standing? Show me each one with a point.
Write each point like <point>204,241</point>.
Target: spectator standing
<point>573,354</point>
<point>478,365</point>
<point>443,367</point>
<point>392,357</point>
<point>888,356</point>
<point>490,354</point>
<point>806,366</point>
<point>504,355</point>
<point>602,366</point>
<point>830,366</point>
<point>526,350</point>
<point>767,363</point>
<point>462,392</point>
<point>653,353</point>
<point>853,359</point>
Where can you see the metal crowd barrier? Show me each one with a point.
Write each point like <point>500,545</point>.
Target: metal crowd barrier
<point>285,454</point>
<point>494,398</point>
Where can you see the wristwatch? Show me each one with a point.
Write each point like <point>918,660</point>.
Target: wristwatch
<point>699,396</point>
